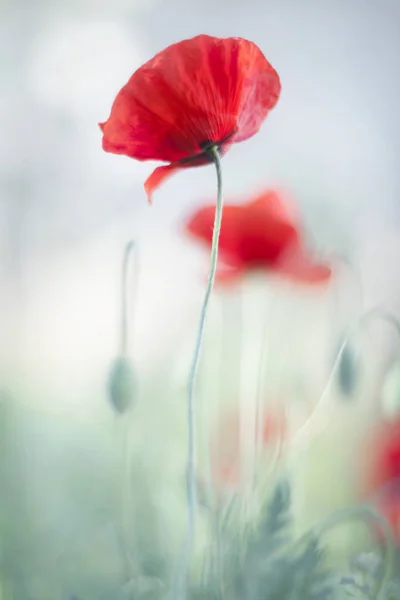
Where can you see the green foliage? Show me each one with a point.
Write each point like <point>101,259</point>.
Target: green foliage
<point>266,564</point>
<point>258,562</point>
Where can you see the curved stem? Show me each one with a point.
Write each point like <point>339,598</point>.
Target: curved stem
<point>365,319</point>
<point>366,514</point>
<point>129,248</point>
<point>191,463</point>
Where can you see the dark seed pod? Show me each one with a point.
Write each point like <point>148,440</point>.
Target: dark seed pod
<point>122,384</point>
<point>347,372</point>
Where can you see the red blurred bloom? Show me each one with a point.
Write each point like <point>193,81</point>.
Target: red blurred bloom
<point>381,471</point>
<point>261,234</point>
<point>193,95</point>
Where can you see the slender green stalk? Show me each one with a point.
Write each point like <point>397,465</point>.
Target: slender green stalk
<point>191,416</point>
<point>129,248</point>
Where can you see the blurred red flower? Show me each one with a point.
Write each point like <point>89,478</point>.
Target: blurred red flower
<point>262,234</point>
<point>380,479</point>
<point>193,95</point>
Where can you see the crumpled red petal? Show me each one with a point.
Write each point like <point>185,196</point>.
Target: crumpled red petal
<point>302,268</point>
<point>157,177</point>
<point>228,273</point>
<point>198,90</point>
<point>274,204</point>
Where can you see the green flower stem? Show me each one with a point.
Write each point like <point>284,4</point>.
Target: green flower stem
<point>191,416</point>
<point>191,496</point>
<point>129,249</point>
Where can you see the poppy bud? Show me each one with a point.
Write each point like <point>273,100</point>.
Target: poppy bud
<point>348,371</point>
<point>122,384</point>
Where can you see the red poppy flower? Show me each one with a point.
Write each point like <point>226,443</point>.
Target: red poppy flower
<point>261,234</point>
<point>380,470</point>
<point>194,95</point>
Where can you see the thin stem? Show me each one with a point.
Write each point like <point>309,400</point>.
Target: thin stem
<point>365,319</point>
<point>191,463</point>
<point>200,334</point>
<point>129,248</point>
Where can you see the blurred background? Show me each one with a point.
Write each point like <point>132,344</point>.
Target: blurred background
<point>68,209</point>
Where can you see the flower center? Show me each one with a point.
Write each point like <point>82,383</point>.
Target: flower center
<point>206,148</point>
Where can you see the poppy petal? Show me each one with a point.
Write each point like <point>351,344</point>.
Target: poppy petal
<point>257,101</point>
<point>264,234</point>
<point>267,231</point>
<point>157,177</point>
<point>274,204</point>
<point>228,273</point>
<point>302,268</point>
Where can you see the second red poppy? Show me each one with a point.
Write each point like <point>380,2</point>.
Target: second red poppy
<point>263,233</point>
